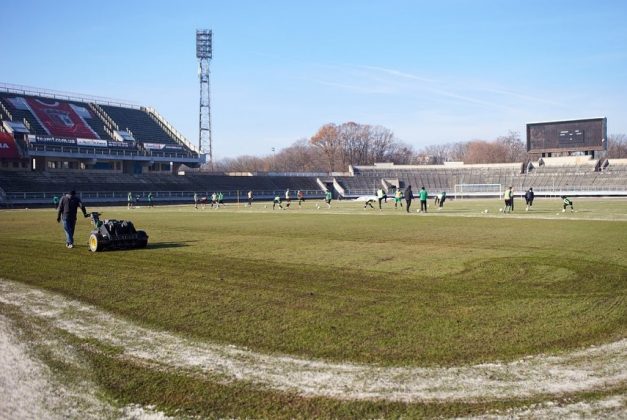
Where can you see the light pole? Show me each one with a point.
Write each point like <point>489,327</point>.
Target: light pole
<point>273,160</point>
<point>204,54</point>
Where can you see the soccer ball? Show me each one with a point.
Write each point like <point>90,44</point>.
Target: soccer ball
<point>501,210</point>
<point>563,210</point>
<point>485,211</point>
<point>265,207</point>
<point>318,206</point>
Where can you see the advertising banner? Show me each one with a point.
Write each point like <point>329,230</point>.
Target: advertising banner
<point>91,143</point>
<point>164,147</point>
<point>121,144</point>
<point>173,147</point>
<point>154,146</point>
<point>60,141</point>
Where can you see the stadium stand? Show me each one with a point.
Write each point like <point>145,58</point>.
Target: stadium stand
<point>82,130</point>
<point>51,142</point>
<point>40,187</point>
<point>551,176</point>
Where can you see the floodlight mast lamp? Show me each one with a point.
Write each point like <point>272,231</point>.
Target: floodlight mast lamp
<point>204,54</point>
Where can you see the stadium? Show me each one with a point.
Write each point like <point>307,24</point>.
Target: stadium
<point>126,149</point>
<point>345,304</point>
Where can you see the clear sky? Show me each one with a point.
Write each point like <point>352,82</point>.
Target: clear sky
<point>432,72</point>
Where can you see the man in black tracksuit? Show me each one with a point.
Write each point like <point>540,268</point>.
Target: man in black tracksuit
<point>67,211</point>
<point>409,195</point>
<point>529,196</point>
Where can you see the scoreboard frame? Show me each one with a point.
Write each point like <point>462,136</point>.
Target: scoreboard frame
<point>567,136</point>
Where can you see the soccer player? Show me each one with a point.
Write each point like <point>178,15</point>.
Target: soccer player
<point>409,195</point>
<point>398,195</point>
<point>508,200</point>
<point>214,200</point>
<point>277,200</point>
<point>369,202</point>
<point>441,200</point>
<point>220,199</point>
<point>328,196</point>
<point>380,196</point>
<point>250,198</point>
<point>529,196</point>
<point>288,198</point>
<point>301,197</point>
<point>567,202</point>
<point>424,195</point>
<point>129,200</point>
<point>196,201</point>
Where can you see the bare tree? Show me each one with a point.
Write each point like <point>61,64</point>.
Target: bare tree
<point>401,154</point>
<point>328,142</point>
<point>509,148</point>
<point>436,154</point>
<point>516,149</point>
<point>334,147</point>
<point>299,157</point>
<point>617,146</point>
<point>351,141</point>
<point>357,144</point>
<point>457,151</point>
<point>480,151</point>
<point>382,140</point>
<point>244,163</point>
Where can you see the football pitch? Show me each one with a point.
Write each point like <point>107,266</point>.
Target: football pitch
<point>410,295</point>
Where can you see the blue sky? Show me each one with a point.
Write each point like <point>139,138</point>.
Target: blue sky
<point>432,72</point>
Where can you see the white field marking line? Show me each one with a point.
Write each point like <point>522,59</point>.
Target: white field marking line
<point>582,370</point>
<point>28,389</point>
<point>611,407</point>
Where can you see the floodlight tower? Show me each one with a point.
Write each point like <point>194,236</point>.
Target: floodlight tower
<point>204,55</point>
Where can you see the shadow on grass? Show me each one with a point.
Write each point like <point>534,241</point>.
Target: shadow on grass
<point>162,245</point>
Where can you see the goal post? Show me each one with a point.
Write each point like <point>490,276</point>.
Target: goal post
<point>478,190</point>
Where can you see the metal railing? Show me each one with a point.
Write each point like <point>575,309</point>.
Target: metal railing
<point>76,151</point>
<point>157,196</point>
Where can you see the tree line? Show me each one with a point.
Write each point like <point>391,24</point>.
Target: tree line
<point>336,146</point>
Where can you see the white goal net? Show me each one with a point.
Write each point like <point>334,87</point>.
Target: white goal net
<point>478,190</point>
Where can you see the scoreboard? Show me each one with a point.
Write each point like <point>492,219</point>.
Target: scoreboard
<point>562,136</point>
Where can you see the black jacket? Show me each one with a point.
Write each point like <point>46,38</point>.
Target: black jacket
<point>68,206</point>
<point>409,195</point>
<point>529,195</point>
